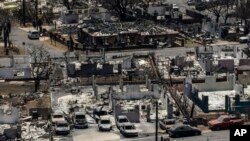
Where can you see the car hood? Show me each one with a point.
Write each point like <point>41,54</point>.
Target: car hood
<point>105,125</point>
<point>214,122</point>
<point>62,128</point>
<point>131,131</point>
<point>123,123</point>
<point>57,119</point>
<point>81,120</point>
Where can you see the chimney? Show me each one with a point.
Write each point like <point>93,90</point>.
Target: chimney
<point>93,81</point>
<point>95,92</point>
<point>149,84</point>
<point>103,54</point>
<point>94,86</point>
<point>119,68</point>
<point>170,111</point>
<point>121,83</point>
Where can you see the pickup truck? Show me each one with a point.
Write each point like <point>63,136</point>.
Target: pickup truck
<point>224,121</point>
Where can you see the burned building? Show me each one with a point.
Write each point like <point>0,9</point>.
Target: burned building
<point>117,35</point>
<point>83,70</point>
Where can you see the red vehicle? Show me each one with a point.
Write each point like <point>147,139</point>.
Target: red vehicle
<point>224,122</point>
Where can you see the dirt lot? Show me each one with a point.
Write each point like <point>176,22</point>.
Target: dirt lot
<point>16,87</point>
<point>58,46</point>
<point>12,51</point>
<point>20,94</point>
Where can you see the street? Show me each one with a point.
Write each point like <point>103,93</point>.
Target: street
<point>208,136</point>
<point>18,36</point>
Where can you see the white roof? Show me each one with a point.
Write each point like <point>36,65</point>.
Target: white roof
<point>106,117</point>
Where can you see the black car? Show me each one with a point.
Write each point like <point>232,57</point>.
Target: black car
<point>183,131</point>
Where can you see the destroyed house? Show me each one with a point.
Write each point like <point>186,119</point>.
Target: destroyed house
<point>90,69</point>
<point>15,67</point>
<point>124,35</point>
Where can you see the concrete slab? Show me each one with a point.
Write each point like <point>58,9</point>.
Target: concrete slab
<point>216,99</point>
<point>9,119</point>
<point>92,134</point>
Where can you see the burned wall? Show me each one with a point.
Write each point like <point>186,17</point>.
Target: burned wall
<point>212,85</point>
<point>132,114</point>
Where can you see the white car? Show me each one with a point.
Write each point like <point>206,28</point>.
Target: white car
<point>244,39</point>
<point>121,120</point>
<point>128,130</point>
<point>33,34</point>
<point>57,117</point>
<point>79,120</point>
<point>191,2</point>
<point>104,123</point>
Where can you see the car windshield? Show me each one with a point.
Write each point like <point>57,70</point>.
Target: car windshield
<point>58,116</point>
<point>123,120</point>
<point>62,125</point>
<point>129,127</point>
<point>176,9</point>
<point>80,116</point>
<point>102,113</point>
<point>34,32</point>
<point>105,121</point>
<point>220,119</point>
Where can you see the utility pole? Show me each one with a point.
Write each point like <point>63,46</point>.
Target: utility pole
<point>36,7</point>
<point>156,120</point>
<point>24,8</point>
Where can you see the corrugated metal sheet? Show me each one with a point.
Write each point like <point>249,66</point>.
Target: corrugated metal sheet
<point>15,73</point>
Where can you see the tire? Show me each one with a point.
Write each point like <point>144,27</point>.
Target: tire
<point>177,135</point>
<point>100,129</point>
<point>197,133</point>
<point>217,128</point>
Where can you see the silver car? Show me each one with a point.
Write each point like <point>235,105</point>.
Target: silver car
<point>33,34</point>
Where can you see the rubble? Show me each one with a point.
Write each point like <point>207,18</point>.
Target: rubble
<point>33,131</point>
<point>4,126</point>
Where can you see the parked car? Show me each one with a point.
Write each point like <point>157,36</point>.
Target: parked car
<point>163,124</point>
<point>121,120</point>
<point>244,39</point>
<point>75,90</point>
<point>62,128</point>
<point>104,123</point>
<point>224,121</point>
<point>191,2</point>
<point>33,34</point>
<point>79,120</point>
<point>128,130</point>
<point>57,117</point>
<point>183,131</point>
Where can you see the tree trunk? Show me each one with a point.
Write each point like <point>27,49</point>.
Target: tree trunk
<point>37,84</point>
<point>246,30</point>
<point>217,18</point>
<point>123,16</point>
<point>226,18</point>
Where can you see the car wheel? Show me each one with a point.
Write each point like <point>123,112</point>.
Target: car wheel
<point>217,128</point>
<point>177,135</point>
<point>197,133</point>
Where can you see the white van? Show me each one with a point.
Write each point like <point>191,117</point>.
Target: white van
<point>104,123</point>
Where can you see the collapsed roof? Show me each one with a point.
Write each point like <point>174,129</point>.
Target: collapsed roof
<point>144,28</point>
